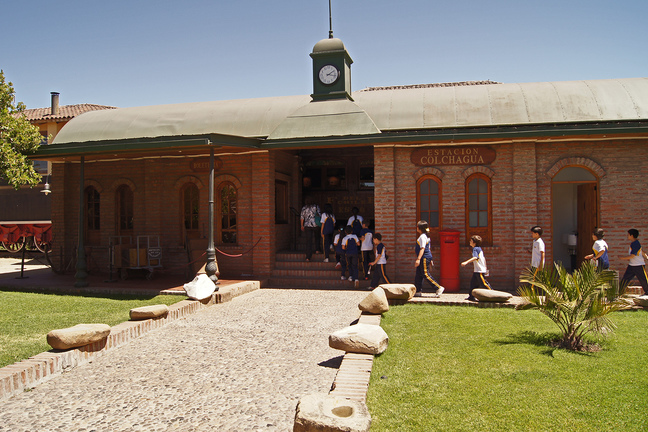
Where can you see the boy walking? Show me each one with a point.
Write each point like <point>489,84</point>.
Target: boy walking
<point>479,267</point>
<point>600,249</point>
<point>635,263</point>
<point>538,250</point>
<point>380,263</point>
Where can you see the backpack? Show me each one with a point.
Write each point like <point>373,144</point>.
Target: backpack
<point>357,226</point>
<point>328,225</point>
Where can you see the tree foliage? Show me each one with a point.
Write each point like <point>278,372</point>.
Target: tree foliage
<point>18,138</point>
<point>579,303</point>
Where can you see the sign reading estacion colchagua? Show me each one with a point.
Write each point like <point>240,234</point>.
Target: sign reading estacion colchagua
<point>459,155</point>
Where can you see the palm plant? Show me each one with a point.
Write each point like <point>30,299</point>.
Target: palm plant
<point>579,303</point>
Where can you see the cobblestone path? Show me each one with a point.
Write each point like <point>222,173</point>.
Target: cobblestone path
<point>237,366</point>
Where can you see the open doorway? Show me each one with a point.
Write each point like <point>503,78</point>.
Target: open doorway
<point>343,178</point>
<point>574,199</point>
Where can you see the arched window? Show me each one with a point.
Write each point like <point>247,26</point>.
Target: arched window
<point>227,208</point>
<point>93,215</point>
<point>124,204</point>
<point>479,220</point>
<point>428,204</point>
<point>190,206</point>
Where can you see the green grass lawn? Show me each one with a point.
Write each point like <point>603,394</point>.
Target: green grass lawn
<point>472,369</point>
<point>26,318</point>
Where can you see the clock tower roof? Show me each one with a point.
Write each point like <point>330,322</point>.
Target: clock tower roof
<point>330,44</point>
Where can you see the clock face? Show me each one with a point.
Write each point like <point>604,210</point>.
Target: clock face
<point>328,74</point>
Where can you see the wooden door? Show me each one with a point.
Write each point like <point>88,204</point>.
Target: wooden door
<point>587,219</point>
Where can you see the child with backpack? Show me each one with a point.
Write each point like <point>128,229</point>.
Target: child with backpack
<point>351,246</point>
<point>380,263</point>
<point>327,229</point>
<point>355,221</point>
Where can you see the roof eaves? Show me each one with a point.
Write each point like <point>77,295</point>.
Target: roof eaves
<point>151,145</point>
<point>472,133</point>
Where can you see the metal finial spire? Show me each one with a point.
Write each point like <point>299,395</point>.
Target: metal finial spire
<point>330,22</point>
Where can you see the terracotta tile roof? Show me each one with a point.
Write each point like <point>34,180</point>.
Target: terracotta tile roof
<point>65,112</point>
<point>419,86</point>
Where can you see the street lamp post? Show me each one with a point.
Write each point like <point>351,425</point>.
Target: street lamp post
<point>211,269</point>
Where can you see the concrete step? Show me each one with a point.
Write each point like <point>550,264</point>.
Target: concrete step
<point>293,271</point>
<point>317,283</point>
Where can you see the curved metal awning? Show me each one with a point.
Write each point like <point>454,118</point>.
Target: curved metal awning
<point>375,115</point>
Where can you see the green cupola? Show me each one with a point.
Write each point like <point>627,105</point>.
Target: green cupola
<point>331,70</point>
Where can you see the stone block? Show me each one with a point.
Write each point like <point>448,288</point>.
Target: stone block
<point>641,300</point>
<point>79,335</point>
<point>327,413</point>
<point>399,291</point>
<point>147,312</point>
<point>486,295</point>
<point>375,303</point>
<point>200,288</point>
<point>360,338</point>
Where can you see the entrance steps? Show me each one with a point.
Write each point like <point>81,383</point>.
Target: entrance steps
<point>292,271</point>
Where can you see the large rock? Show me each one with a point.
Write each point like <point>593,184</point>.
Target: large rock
<point>200,288</point>
<point>148,312</point>
<point>360,338</point>
<point>399,291</point>
<point>375,303</point>
<point>486,295</point>
<point>326,413</point>
<point>79,335</point>
<point>641,300</point>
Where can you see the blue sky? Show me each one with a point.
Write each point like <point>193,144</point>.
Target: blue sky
<point>142,52</point>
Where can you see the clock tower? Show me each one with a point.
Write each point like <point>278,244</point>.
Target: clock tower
<point>331,70</point>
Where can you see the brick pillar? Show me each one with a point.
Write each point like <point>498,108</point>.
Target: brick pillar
<point>385,202</point>
<point>525,202</point>
<point>263,213</point>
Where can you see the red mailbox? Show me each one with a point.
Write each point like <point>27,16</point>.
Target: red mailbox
<point>450,259</point>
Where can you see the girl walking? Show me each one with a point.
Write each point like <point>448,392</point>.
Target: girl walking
<point>424,261</point>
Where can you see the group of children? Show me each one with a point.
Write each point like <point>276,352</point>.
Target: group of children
<point>635,257</point>
<point>355,244</point>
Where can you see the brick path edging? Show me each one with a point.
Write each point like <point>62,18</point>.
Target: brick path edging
<point>352,378</point>
<point>24,375</point>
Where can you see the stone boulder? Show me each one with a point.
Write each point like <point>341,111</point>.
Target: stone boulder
<point>79,335</point>
<point>200,288</point>
<point>375,303</point>
<point>486,295</point>
<point>641,300</point>
<point>360,339</point>
<point>326,413</point>
<point>399,291</point>
<point>147,312</point>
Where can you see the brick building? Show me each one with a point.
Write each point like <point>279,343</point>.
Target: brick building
<point>26,206</point>
<point>477,157</point>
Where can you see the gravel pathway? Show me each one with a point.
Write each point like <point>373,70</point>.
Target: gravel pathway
<point>237,366</point>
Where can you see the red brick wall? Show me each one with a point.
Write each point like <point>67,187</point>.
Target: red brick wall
<point>521,198</point>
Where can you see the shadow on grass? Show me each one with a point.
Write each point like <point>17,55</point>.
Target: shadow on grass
<point>547,340</point>
<point>135,296</point>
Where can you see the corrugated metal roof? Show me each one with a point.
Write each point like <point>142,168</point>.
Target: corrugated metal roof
<point>390,109</point>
